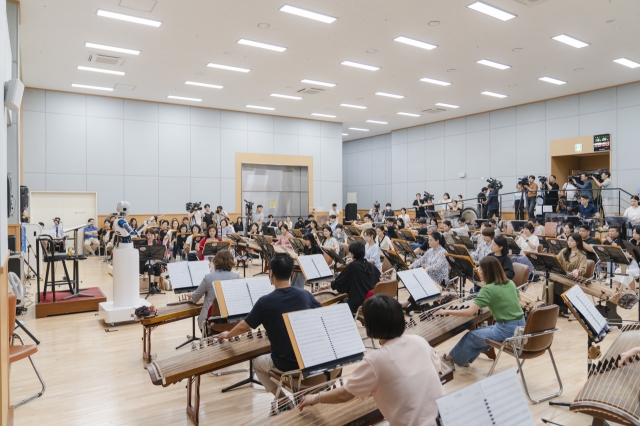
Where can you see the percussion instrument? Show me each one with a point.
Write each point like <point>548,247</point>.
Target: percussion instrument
<point>165,315</point>
<point>611,392</point>
<point>603,292</point>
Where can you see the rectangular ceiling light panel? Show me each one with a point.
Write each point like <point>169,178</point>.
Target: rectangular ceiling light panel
<point>495,95</point>
<point>261,45</point>
<point>627,62</point>
<point>84,86</point>
<point>323,115</point>
<point>101,70</point>
<point>259,107</point>
<point>447,105</point>
<point>563,38</point>
<point>182,98</point>
<point>112,48</point>
<point>128,18</point>
<point>362,66</point>
<point>389,95</point>
<point>416,43</point>
<point>353,106</point>
<point>227,67</point>
<point>408,114</point>
<point>319,83</point>
<point>211,86</point>
<point>277,95</point>
<point>552,80</point>
<point>487,9</point>
<point>307,14</point>
<point>433,81</point>
<point>493,64</point>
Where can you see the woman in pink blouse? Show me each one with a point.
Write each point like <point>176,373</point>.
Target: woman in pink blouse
<point>284,237</point>
<point>402,376</point>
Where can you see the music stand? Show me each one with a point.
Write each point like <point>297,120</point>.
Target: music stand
<point>403,248</point>
<point>464,268</point>
<point>548,263</point>
<point>211,249</point>
<point>464,240</point>
<point>432,214</point>
<point>619,222</point>
<point>270,230</point>
<point>517,225</point>
<point>296,233</point>
<point>259,239</point>
<point>406,235</point>
<point>337,259</point>
<point>297,246</point>
<point>146,255</point>
<point>611,255</point>
<point>555,245</point>
<point>395,260</point>
<point>512,245</point>
<point>356,238</point>
<point>544,243</point>
<point>633,250</point>
<point>478,223</point>
<point>351,231</point>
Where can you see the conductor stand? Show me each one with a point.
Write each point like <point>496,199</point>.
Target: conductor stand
<point>146,255</point>
<point>547,263</point>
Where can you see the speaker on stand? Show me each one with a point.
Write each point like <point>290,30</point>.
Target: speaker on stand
<point>351,212</point>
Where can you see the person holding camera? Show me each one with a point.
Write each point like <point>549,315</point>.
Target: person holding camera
<point>532,188</point>
<point>493,203</point>
<point>519,201</point>
<point>419,206</point>
<point>552,188</point>
<point>606,196</point>
<point>563,206</point>
<point>221,214</point>
<point>482,203</point>
<point>584,186</point>
<point>196,215</point>
<point>375,213</point>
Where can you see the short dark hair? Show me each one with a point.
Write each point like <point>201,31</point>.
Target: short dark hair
<point>367,215</point>
<point>616,228</point>
<point>383,317</point>
<point>492,272</point>
<point>370,232</point>
<point>106,220</point>
<point>356,248</point>
<point>258,206</point>
<point>529,227</point>
<point>635,197</point>
<point>532,177</point>
<point>339,226</point>
<point>90,220</point>
<point>270,216</point>
<point>488,232</point>
<point>491,221</point>
<point>334,205</point>
<point>333,216</point>
<point>390,219</point>
<point>585,227</point>
<point>491,186</point>
<point>422,220</point>
<point>637,229</point>
<point>585,196</point>
<point>207,205</point>
<point>310,215</point>
<point>281,266</point>
<point>284,225</point>
<point>502,242</point>
<point>388,204</point>
<point>484,188</point>
<point>447,222</point>
<point>462,219</point>
<point>552,176</point>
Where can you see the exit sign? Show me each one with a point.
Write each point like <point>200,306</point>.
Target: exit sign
<point>578,147</point>
<point>602,142</point>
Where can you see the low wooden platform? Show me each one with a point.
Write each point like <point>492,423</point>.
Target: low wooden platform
<point>47,307</point>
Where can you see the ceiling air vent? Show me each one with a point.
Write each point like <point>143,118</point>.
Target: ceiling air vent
<point>433,110</point>
<point>310,91</point>
<point>105,60</point>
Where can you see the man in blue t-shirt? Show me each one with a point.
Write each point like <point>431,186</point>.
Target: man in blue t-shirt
<point>586,210</point>
<point>267,312</point>
<point>91,242</point>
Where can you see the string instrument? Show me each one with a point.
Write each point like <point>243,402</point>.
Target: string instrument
<point>528,302</point>
<point>611,393</point>
<point>614,296</point>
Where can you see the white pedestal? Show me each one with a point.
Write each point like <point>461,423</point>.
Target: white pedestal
<point>112,314</point>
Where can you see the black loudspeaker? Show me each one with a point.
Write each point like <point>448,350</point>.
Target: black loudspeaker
<point>12,243</point>
<point>16,265</point>
<point>351,211</point>
<point>24,198</point>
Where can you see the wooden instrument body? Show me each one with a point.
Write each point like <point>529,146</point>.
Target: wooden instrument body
<point>329,297</point>
<point>165,315</point>
<point>593,288</point>
<point>611,392</point>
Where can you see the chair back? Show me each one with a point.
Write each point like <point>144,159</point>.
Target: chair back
<point>591,266</point>
<point>12,314</point>
<point>540,248</point>
<point>541,319</point>
<point>45,240</point>
<point>386,287</point>
<point>386,265</point>
<point>521,274</point>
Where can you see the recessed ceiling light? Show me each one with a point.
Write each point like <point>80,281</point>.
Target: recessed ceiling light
<point>416,43</point>
<point>307,14</point>
<point>276,95</point>
<point>319,83</point>
<point>353,106</point>
<point>447,105</point>
<point>563,38</point>
<point>389,95</point>
<point>323,115</point>
<point>84,86</point>
<point>358,129</point>
<point>259,107</point>
<point>377,122</point>
<point>495,95</point>
<point>261,45</point>
<point>263,25</point>
<point>552,80</point>
<point>182,98</point>
<point>491,11</point>
<point>438,82</point>
<point>579,69</point>
<point>433,23</point>
<point>345,134</point>
<point>517,49</point>
<point>493,64</point>
<point>80,67</point>
<point>112,49</point>
<point>128,18</point>
<point>227,67</point>
<point>371,51</point>
<point>357,65</point>
<point>627,63</point>
<point>409,114</point>
<point>211,86</point>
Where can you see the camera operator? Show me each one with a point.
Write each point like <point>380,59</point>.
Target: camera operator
<point>532,187</point>
<point>519,201</point>
<point>258,216</point>
<point>195,214</point>
<point>584,186</point>
<point>493,202</point>
<point>375,213</point>
<point>606,196</point>
<point>221,214</point>
<point>552,188</point>
<point>482,203</point>
<point>208,215</point>
<point>563,207</point>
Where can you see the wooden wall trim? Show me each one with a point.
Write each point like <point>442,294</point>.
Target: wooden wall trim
<point>4,344</point>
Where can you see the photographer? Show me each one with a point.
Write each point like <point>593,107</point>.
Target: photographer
<point>195,214</point>
<point>482,202</point>
<point>375,213</point>
<point>221,214</point>
<point>207,218</point>
<point>563,206</point>
<point>584,186</point>
<point>493,203</point>
<point>532,187</point>
<point>519,201</point>
<point>552,188</point>
<point>606,196</point>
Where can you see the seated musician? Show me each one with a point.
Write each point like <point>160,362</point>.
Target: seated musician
<point>421,248</point>
<point>436,265</point>
<point>106,235</point>
<point>528,243</point>
<point>312,228</point>
<point>587,242</point>
<point>271,222</point>
<point>501,296</point>
<point>633,270</point>
<point>284,237</point>
<point>494,225</point>
<point>91,242</point>
<point>211,237</point>
<point>574,260</point>
<point>191,244</point>
<point>382,240</point>
<point>462,228</point>
<point>484,245</point>
<point>624,356</point>
<point>405,217</point>
<point>358,278</point>
<point>185,221</point>
<point>633,212</point>
<point>402,376</point>
<point>340,235</point>
<point>223,262</point>
<point>333,222</point>
<point>152,266</point>
<point>613,237</point>
<point>567,231</point>
<point>368,223</point>
<point>423,233</point>
<point>287,221</point>
<point>179,239</point>
<point>299,224</point>
<point>538,229</point>
<point>267,311</point>
<point>447,231</point>
<point>388,212</point>
<point>371,249</point>
<point>586,210</point>
<point>254,229</point>
<point>329,241</point>
<point>225,228</point>
<point>500,249</point>
<point>391,228</point>
<point>311,247</point>
<point>237,225</point>
<point>401,223</point>
<point>308,221</point>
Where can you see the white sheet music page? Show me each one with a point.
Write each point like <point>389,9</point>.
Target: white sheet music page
<point>314,266</point>
<point>236,296</point>
<point>198,270</point>
<point>464,407</point>
<point>342,330</point>
<point>180,276</point>
<point>418,281</point>
<point>311,336</point>
<point>258,287</point>
<point>580,301</point>
<point>505,399</point>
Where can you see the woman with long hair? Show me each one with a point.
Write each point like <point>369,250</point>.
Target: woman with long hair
<point>181,238</point>
<point>371,249</point>
<point>329,241</point>
<point>211,236</point>
<point>237,225</point>
<point>284,237</point>
<point>567,231</point>
<point>382,240</point>
<point>310,247</point>
<point>225,228</point>
<point>133,223</point>
<point>573,258</point>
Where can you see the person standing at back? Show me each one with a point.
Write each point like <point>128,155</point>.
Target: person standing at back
<point>531,196</point>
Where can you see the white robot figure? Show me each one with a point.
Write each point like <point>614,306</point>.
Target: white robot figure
<point>121,226</point>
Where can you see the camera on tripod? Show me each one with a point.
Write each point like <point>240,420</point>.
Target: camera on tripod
<point>427,197</point>
<point>575,177</point>
<point>192,207</point>
<point>523,181</point>
<point>598,173</point>
<point>495,182</point>
<point>542,179</point>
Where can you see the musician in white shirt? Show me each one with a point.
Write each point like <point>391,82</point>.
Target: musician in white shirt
<point>329,241</point>
<point>334,210</point>
<point>381,238</point>
<point>404,216</point>
<point>528,243</point>
<point>633,213</point>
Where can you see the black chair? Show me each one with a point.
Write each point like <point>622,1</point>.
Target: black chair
<point>50,257</point>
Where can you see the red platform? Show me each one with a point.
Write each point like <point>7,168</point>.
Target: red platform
<point>47,306</point>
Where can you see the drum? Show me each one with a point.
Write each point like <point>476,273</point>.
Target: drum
<point>469,214</point>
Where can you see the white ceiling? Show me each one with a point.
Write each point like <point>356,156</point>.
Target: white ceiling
<point>196,32</point>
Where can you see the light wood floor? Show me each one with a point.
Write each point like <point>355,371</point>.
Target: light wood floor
<point>98,378</point>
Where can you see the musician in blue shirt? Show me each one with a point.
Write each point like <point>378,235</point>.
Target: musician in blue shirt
<point>585,186</point>
<point>586,210</point>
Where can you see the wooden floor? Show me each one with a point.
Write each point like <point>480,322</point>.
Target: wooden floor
<point>98,378</point>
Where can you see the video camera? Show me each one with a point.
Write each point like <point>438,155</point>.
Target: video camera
<point>542,179</point>
<point>376,206</point>
<point>192,207</point>
<point>427,197</point>
<point>495,183</point>
<point>598,173</point>
<point>575,177</point>
<point>524,181</point>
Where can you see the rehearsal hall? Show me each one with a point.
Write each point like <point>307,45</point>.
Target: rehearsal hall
<point>329,213</point>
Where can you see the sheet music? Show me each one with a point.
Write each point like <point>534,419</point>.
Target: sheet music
<point>240,295</point>
<point>314,266</point>
<point>325,334</point>
<point>496,400</point>
<point>583,305</point>
<point>419,283</point>
<point>198,270</point>
<point>180,275</point>
<point>258,287</point>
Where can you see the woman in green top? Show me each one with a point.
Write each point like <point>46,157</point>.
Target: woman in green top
<point>501,296</point>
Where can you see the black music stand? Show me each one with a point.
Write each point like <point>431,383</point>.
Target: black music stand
<point>395,260</point>
<point>512,245</point>
<point>406,235</point>
<point>403,248</point>
<point>296,233</point>
<point>633,250</point>
<point>356,238</point>
<point>337,259</point>
<point>297,246</point>
<point>619,222</point>
<point>517,225</point>
<point>432,214</point>
<point>556,245</point>
<point>147,254</point>
<point>269,230</point>
<point>548,263</point>
<point>464,240</point>
<point>611,255</point>
<point>544,243</point>
<point>351,231</point>
<point>237,239</point>
<point>464,268</point>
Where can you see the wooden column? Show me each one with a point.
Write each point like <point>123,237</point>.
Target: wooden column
<point>4,344</point>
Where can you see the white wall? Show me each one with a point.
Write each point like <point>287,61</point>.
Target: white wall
<point>5,74</point>
<point>503,144</point>
<point>160,156</point>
